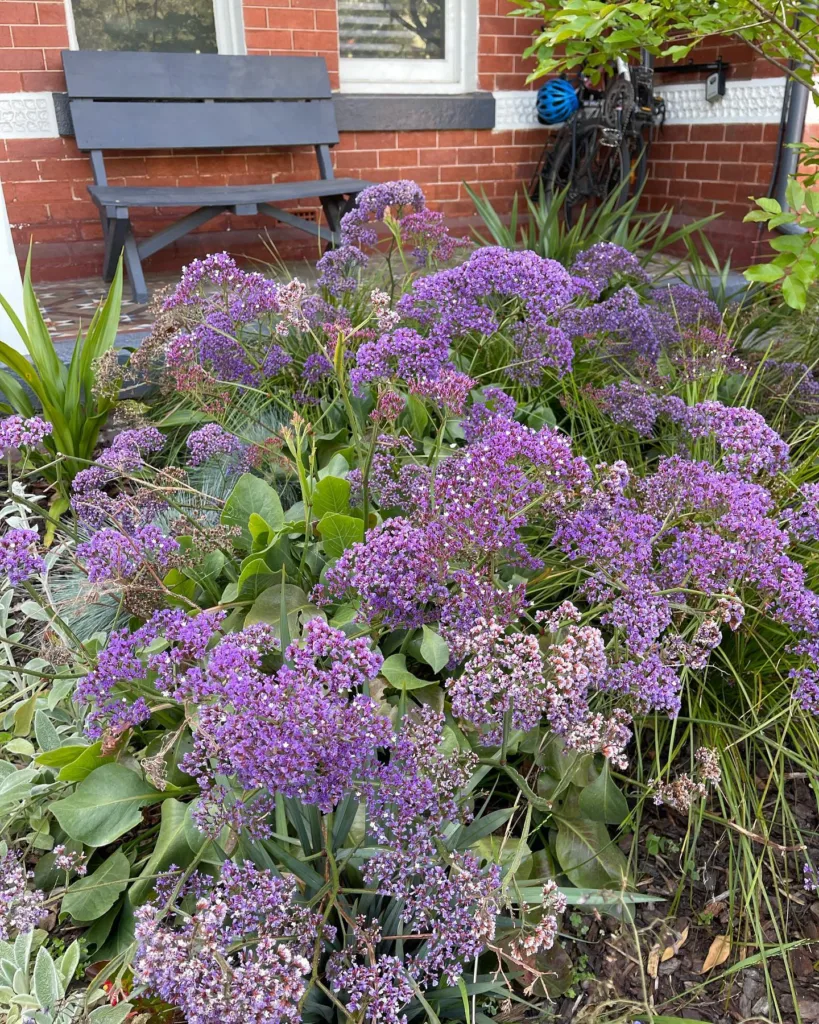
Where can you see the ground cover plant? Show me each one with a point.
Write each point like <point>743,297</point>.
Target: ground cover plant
<point>380,631</point>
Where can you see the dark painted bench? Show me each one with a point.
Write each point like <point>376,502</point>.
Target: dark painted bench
<point>202,101</point>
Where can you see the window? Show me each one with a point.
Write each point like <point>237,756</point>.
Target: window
<point>406,45</point>
<point>177,26</point>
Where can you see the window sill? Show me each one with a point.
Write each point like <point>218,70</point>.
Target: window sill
<point>362,112</point>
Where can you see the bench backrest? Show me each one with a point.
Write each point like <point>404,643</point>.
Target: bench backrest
<point>122,100</point>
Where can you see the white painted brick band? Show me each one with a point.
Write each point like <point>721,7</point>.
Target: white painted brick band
<point>758,101</point>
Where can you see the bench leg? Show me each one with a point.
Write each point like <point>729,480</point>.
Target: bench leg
<point>332,211</point>
<point>133,264</point>
<point>115,233</point>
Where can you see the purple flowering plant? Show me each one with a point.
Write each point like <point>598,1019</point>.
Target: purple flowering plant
<point>399,574</point>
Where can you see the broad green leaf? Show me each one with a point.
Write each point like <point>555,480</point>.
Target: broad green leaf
<point>332,494</point>
<point>251,494</point>
<point>171,848</point>
<point>339,532</point>
<point>587,855</point>
<point>466,835</point>
<point>795,194</point>
<point>764,272</point>
<point>602,799</point>
<point>89,898</point>
<point>769,205</point>
<point>434,650</point>
<point>20,746</point>
<point>61,756</point>
<point>794,292</point>
<point>268,608</point>
<point>397,674</point>
<point>84,764</point>
<point>789,243</point>
<point>255,578</point>
<point>47,984</point>
<point>105,805</point>
<point>505,852</point>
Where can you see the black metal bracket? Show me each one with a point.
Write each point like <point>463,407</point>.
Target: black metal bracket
<point>719,65</point>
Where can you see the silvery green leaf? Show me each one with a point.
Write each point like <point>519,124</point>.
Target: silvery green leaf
<point>47,983</point>
<point>59,690</point>
<point>67,964</point>
<point>110,1014</point>
<point>32,610</point>
<point>16,786</point>
<point>47,736</point>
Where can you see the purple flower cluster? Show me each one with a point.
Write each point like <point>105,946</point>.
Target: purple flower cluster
<point>18,555</point>
<point>689,306</point>
<point>428,235</point>
<point>18,432</point>
<point>803,522</point>
<point>749,446</point>
<point>302,731</point>
<point>604,262</point>
<point>114,556</point>
<point>502,675</point>
<point>109,687</point>
<point>409,804</point>
<point>449,390</point>
<point>372,205</point>
<point>211,440</point>
<point>398,576</point>
<point>624,323</point>
<point>241,957</point>
<point>403,355</point>
<point>338,269</point>
<point>21,908</point>
<point>496,287</point>
<point>125,456</point>
<point>687,529</point>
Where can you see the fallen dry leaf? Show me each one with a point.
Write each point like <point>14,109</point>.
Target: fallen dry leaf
<point>718,953</point>
<point>653,962</point>
<point>673,948</point>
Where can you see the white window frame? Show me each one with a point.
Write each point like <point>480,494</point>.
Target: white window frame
<point>456,73</point>
<point>227,19</point>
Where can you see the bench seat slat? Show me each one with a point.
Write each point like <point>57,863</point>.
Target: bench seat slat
<point>173,125</point>
<point>222,195</point>
<point>117,75</point>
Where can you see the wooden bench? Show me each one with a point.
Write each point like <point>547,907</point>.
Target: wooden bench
<point>122,101</point>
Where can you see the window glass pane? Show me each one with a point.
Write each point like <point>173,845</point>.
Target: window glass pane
<point>391,29</point>
<point>180,26</point>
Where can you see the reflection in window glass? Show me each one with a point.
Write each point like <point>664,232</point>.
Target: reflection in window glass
<point>391,29</point>
<point>177,26</point>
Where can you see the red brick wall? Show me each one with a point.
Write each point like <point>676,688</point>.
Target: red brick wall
<point>45,180</point>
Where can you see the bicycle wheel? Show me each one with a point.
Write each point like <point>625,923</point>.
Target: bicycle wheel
<point>590,170</point>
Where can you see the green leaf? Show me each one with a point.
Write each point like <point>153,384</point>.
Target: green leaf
<point>332,494</point>
<point>769,205</point>
<point>110,1014</point>
<point>89,898</point>
<point>587,855</point>
<point>82,766</point>
<point>789,243</point>
<point>15,787</point>
<point>61,756</point>
<point>764,272</point>
<point>104,806</point>
<point>397,674</point>
<point>339,532</point>
<point>255,578</point>
<point>67,964</point>
<point>794,292</point>
<point>251,494</point>
<point>602,799</point>
<point>46,982</point>
<point>24,715</point>
<point>47,736</point>
<point>171,848</point>
<point>795,194</point>
<point>268,608</point>
<point>434,650</point>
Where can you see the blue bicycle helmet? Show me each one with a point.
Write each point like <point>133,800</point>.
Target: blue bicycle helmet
<point>556,101</point>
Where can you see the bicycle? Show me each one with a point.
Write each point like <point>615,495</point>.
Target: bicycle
<point>601,151</point>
